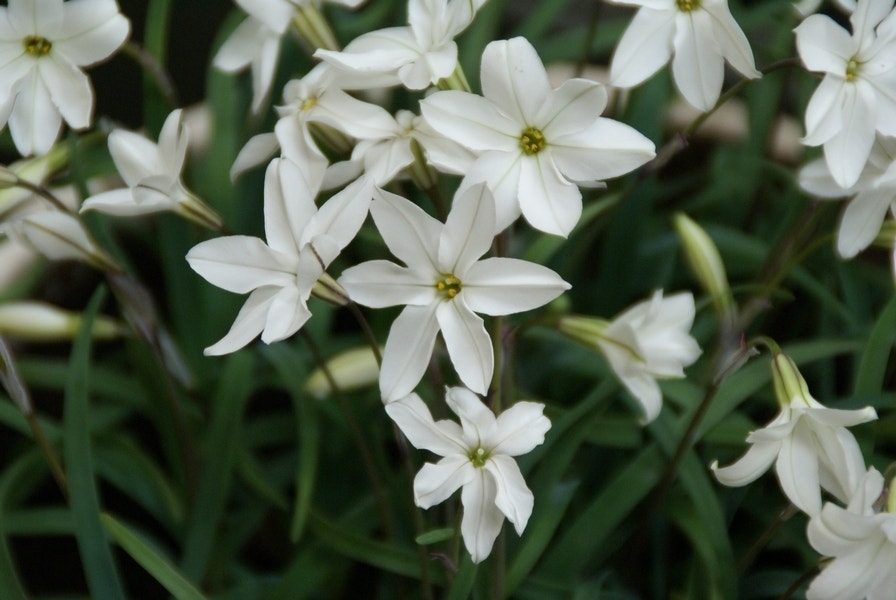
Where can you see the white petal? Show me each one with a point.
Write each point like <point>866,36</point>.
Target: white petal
<point>287,313</point>
<point>355,117</point>
<point>503,286</point>
<point>412,416</point>
<point>69,89</point>
<point>513,497</point>
<point>288,205</point>
<point>549,201</point>
<point>646,391</point>
<point>472,121</point>
<point>34,121</point>
<point>823,45</point>
<point>520,429</point>
<point>468,344</point>
<point>482,520</point>
<point>732,41</point>
<point>276,14</point>
<point>240,263</point>
<point>644,47</point>
<point>248,323</point>
<point>501,170</point>
<point>847,152</point>
<point>342,215</point>
<point>257,151</point>
<point>135,156</point>
<point>469,230</point>
<point>92,31</point>
<point>697,66</point>
<point>861,221</point>
<point>824,117</point>
<point>408,350</point>
<point>835,417</point>
<point>571,107</point>
<point>477,419</point>
<point>173,142</point>
<point>238,51</point>
<point>117,202</point>
<point>380,283</point>
<point>797,469</point>
<point>411,234</point>
<point>815,178</point>
<point>756,461</point>
<point>436,482</point>
<point>604,150</point>
<point>514,79</point>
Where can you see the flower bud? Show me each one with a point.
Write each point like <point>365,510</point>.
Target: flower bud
<point>328,289</point>
<point>585,330</point>
<point>352,369</point>
<point>705,262</point>
<point>42,322</point>
<point>788,382</point>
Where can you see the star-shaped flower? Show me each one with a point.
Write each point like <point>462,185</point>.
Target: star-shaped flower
<point>535,143</point>
<point>808,443</point>
<point>698,35</point>
<point>43,45</point>
<point>152,173</point>
<point>444,285</point>
<point>478,456</point>
<point>857,96</point>
<point>280,274</point>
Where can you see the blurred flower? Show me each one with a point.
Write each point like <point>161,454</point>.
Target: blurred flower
<point>535,143</point>
<point>59,236</point>
<point>478,457</point>
<point>808,443</point>
<point>698,35</point>
<point>444,285</point>
<point>280,274</point>
<point>44,43</point>
<point>351,369</point>
<point>862,541</point>
<point>416,56</point>
<point>649,341</point>
<point>858,93</point>
<point>42,322</point>
<point>153,175</point>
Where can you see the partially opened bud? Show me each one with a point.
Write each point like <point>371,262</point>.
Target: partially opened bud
<point>42,322</point>
<point>788,382</point>
<point>352,369</point>
<point>706,263</point>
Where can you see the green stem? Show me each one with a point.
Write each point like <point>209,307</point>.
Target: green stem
<point>368,332</point>
<point>156,72</point>
<point>49,453</point>
<point>765,537</point>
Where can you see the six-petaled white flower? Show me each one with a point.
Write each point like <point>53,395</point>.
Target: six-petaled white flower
<point>43,45</point>
<point>280,274</point>
<point>444,285</point>
<point>808,443</point>
<point>698,35</point>
<point>478,456</point>
<point>857,96</point>
<point>535,143</point>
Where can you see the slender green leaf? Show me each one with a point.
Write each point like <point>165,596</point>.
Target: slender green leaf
<point>876,355</point>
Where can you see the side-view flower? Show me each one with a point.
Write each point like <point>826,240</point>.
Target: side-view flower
<point>477,456</point>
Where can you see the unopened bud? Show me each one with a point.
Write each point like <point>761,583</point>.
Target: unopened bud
<point>585,330</point>
<point>788,382</point>
<point>706,263</point>
<point>42,322</point>
<point>351,370</point>
<point>328,289</point>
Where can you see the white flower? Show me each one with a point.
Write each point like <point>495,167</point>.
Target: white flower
<point>301,242</point>
<point>444,286</point>
<point>858,93</point>
<point>699,36</point>
<point>43,44</point>
<point>153,175</point>
<point>648,341</point>
<point>862,542</point>
<point>808,443</point>
<point>59,236</point>
<point>873,194</point>
<point>416,56</point>
<point>478,457</point>
<point>535,143</point>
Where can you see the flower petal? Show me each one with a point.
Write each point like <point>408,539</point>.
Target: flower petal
<point>240,263</point>
<point>380,283</point>
<point>408,350</point>
<point>520,429</point>
<point>342,215</point>
<point>514,79</point>
<point>411,234</point>
<point>412,416</point>
<point>748,468</point>
<point>861,220</point>
<point>69,89</point>
<point>34,121</point>
<point>732,41</point>
<point>471,121</point>
<point>478,420</point>
<point>288,205</point>
<point>513,497</point>
<point>469,345</point>
<point>548,200</point>
<point>248,323</point>
<point>434,483</point>
<point>697,66</point>
<point>823,45</point>
<point>93,30</point>
<point>469,230</point>
<point>571,108</point>
<point>847,152</point>
<point>604,150</point>
<point>287,314</point>
<point>504,286</point>
<point>482,519</point>
<point>644,48</point>
<point>797,470</point>
<point>257,151</point>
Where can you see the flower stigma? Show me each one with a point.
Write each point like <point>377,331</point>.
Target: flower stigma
<point>478,457</point>
<point>448,286</point>
<point>532,141</point>
<point>308,103</point>
<point>687,5</point>
<point>852,69</point>
<point>37,46</point>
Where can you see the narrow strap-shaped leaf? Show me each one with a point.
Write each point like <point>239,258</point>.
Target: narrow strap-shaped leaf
<point>873,363</point>
<point>10,483</point>
<point>96,555</point>
<point>157,566</point>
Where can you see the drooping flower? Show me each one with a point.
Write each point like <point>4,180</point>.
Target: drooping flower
<point>807,442</point>
<point>443,285</point>
<point>302,241</point>
<point>698,35</point>
<point>477,456</point>
<point>415,56</point>
<point>535,144</point>
<point>152,173</point>
<point>857,96</point>
<point>43,45</point>
<point>648,341</point>
<point>861,540</point>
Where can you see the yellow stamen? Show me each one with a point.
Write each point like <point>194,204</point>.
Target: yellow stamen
<point>852,69</point>
<point>37,46</point>
<point>448,286</point>
<point>532,141</point>
<point>687,5</point>
<point>478,457</point>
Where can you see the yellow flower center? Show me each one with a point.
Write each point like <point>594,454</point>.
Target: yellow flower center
<point>687,5</point>
<point>478,457</point>
<point>37,46</point>
<point>852,69</point>
<point>532,141</point>
<point>308,103</point>
<point>448,286</point>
